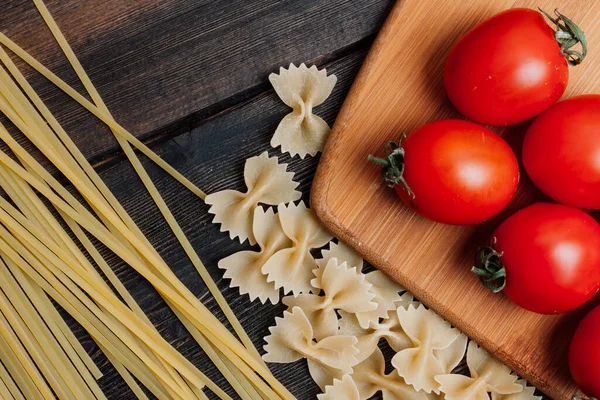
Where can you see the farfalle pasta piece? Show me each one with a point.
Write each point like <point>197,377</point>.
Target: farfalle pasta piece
<point>406,300</point>
<point>244,268</point>
<point>340,251</point>
<point>452,355</point>
<point>385,290</point>
<point>292,339</point>
<point>370,377</point>
<point>301,88</point>
<point>528,393</point>
<point>344,389</point>
<point>324,375</point>
<point>434,396</point>
<point>344,289</point>
<point>386,294</point>
<point>487,375</point>
<point>267,181</point>
<point>428,332</point>
<point>291,269</point>
<point>388,329</point>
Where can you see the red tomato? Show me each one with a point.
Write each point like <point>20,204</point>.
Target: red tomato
<point>561,152</point>
<point>509,68</point>
<point>551,258</point>
<point>455,172</point>
<point>584,354</point>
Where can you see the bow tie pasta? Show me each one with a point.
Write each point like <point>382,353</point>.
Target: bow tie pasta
<point>324,375</point>
<point>388,329</point>
<point>244,268</point>
<point>344,289</point>
<point>343,253</point>
<point>267,181</point>
<point>291,269</point>
<point>487,375</point>
<point>430,334</point>
<point>406,300</point>
<point>386,294</point>
<point>526,394</point>
<point>370,377</point>
<point>302,88</point>
<point>344,389</point>
<point>385,290</point>
<point>292,339</point>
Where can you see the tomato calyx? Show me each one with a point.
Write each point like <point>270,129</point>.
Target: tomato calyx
<point>489,268</point>
<point>579,396</point>
<point>392,169</point>
<point>568,34</point>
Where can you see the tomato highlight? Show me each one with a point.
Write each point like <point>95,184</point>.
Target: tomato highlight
<point>545,258</point>
<point>451,171</point>
<point>512,66</point>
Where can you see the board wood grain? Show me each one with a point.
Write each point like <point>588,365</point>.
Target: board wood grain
<point>173,63</point>
<point>399,88</point>
<point>191,76</point>
<point>212,155</point>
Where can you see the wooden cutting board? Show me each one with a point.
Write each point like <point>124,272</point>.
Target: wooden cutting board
<point>399,88</point>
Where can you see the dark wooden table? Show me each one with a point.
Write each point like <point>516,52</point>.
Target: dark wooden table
<point>190,78</point>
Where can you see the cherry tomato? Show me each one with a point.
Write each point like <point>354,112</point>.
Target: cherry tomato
<point>510,68</point>
<point>561,152</point>
<point>549,255</point>
<point>451,171</point>
<point>584,354</point>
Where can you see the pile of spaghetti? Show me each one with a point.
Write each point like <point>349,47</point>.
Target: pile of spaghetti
<point>49,238</point>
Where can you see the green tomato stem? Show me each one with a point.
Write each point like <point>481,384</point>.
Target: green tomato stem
<point>489,268</point>
<point>568,34</point>
<point>579,396</point>
<point>392,169</point>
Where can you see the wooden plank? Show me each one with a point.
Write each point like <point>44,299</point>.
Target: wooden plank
<point>178,61</point>
<point>212,156</point>
<point>400,87</point>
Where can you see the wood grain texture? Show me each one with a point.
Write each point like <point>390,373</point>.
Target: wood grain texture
<point>184,64</point>
<point>212,155</point>
<point>399,88</point>
<point>158,63</point>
